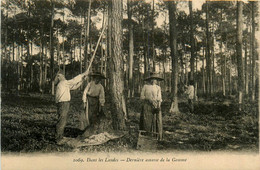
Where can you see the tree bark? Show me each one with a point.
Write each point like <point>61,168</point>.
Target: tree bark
<point>6,32</point>
<point>58,50</point>
<point>173,46</point>
<point>22,83</point>
<point>145,47</point>
<point>191,41</point>
<point>116,71</point>
<point>246,71</point>
<point>208,56</point>
<point>131,48</point>
<point>253,51</point>
<point>153,47</point>
<point>87,37</point>
<point>203,72</point>
<point>80,46</point>
<point>63,49</point>
<point>18,69</point>
<point>46,67</point>
<point>41,62</point>
<point>212,80</point>
<point>221,55</point>
<point>52,48</point>
<point>239,52</point>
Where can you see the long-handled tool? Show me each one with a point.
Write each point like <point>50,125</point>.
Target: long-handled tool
<point>93,56</point>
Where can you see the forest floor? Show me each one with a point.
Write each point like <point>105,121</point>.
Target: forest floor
<point>28,125</point>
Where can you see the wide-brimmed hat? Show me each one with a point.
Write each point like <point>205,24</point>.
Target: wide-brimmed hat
<point>154,76</point>
<point>97,74</point>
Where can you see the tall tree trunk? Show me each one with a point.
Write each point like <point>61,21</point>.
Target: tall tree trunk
<point>131,48</point>
<point>239,51</point>
<point>153,47</point>
<point>224,70</point>
<point>13,48</point>
<point>164,76</point>
<point>229,81</point>
<point>208,55</point>
<point>6,32</point>
<point>212,81</point>
<point>28,84</point>
<point>196,78</point>
<point>22,82</point>
<point>63,49</point>
<point>41,62</point>
<point>191,41</point>
<point>80,45</point>
<point>102,57</point>
<point>71,54</point>
<point>246,70</point>
<point>31,77</point>
<point>52,48</point>
<point>32,66</point>
<point>253,51</point>
<point>173,46</point>
<point>28,66</point>
<point>148,55</point>
<point>46,66</point>
<point>109,38</point>
<point>182,67</point>
<point>18,54</point>
<point>221,55</point>
<point>74,54</point>
<point>145,45</point>
<point>116,71</point>
<point>186,73</point>
<point>87,37</point>
<point>101,45</point>
<point>58,50</point>
<point>203,72</point>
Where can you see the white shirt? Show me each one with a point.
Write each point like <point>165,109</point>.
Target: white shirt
<point>95,90</point>
<point>190,91</point>
<point>64,87</point>
<point>151,92</point>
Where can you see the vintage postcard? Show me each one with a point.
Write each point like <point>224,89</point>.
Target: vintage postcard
<point>129,84</point>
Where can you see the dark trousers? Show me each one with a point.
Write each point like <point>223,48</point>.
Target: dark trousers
<point>191,105</point>
<point>63,109</point>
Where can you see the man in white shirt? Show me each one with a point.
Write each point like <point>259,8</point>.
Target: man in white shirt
<point>62,98</point>
<point>190,93</point>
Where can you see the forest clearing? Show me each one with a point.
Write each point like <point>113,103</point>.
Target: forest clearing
<point>28,125</point>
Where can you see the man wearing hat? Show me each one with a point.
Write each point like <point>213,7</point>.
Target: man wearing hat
<point>151,116</point>
<point>93,99</point>
<point>62,98</point>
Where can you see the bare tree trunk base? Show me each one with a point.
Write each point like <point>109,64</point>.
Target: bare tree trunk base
<point>240,100</point>
<point>174,107</point>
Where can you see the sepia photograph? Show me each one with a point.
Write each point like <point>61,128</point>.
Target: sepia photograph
<point>130,84</point>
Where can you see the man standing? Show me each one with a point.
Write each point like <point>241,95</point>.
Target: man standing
<point>190,93</point>
<point>62,99</point>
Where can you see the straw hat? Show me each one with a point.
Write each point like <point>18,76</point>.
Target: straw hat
<point>154,76</point>
<point>97,74</point>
